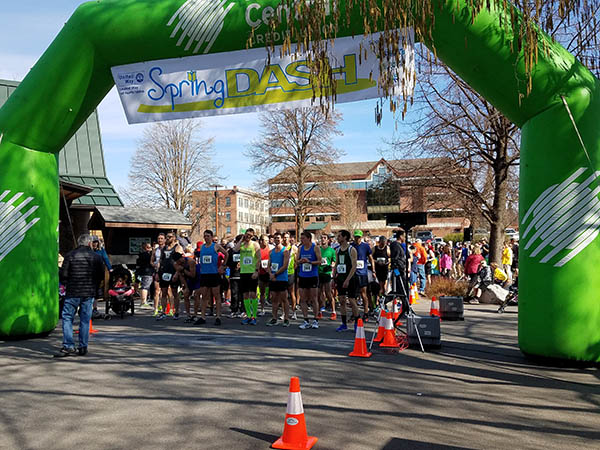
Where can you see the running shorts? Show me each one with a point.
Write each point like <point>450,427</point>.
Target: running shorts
<point>361,281</point>
<point>350,291</point>
<point>308,282</point>
<point>210,280</point>
<point>278,286</point>
<point>324,278</point>
<point>264,277</point>
<point>381,273</point>
<point>291,279</point>
<point>247,283</point>
<point>145,282</point>
<point>165,281</point>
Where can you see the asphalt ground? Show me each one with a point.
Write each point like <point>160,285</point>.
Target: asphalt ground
<point>170,385</point>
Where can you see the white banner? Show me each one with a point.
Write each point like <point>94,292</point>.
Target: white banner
<point>242,81</point>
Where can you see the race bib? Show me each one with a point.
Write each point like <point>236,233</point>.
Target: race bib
<point>167,276</point>
<point>360,264</point>
<point>236,257</point>
<point>207,259</point>
<point>381,260</point>
<point>274,267</point>
<point>324,262</point>
<point>306,267</point>
<point>264,263</point>
<point>341,268</point>
<point>247,261</point>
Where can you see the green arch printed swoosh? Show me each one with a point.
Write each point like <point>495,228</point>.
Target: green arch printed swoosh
<point>271,97</point>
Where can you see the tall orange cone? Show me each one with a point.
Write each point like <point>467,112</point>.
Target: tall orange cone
<point>168,310</point>
<point>435,308</point>
<point>294,429</point>
<point>381,329</point>
<point>389,336</point>
<point>360,342</point>
<point>92,330</point>
<point>396,310</point>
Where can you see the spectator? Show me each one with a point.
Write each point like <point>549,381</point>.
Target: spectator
<point>446,262</point>
<point>82,272</point>
<point>421,254</point>
<point>472,265</point>
<point>507,260</point>
<point>144,272</point>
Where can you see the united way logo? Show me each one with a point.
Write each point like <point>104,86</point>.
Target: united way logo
<point>564,219</point>
<point>198,23</point>
<point>15,221</point>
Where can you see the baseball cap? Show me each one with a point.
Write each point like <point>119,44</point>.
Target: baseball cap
<point>358,233</point>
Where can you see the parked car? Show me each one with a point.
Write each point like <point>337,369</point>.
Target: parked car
<point>439,240</point>
<point>424,235</point>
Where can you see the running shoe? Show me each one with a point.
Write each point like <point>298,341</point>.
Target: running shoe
<point>246,321</point>
<point>161,316</point>
<point>96,314</point>
<point>342,327</point>
<point>261,313</point>
<point>210,312</point>
<point>333,316</point>
<point>253,321</point>
<point>272,322</point>
<point>294,317</point>
<point>286,323</point>
<point>155,313</point>
<point>322,309</point>
<point>314,324</point>
<point>281,316</point>
<point>304,326</point>
<point>218,321</point>
<point>176,316</point>
<point>232,315</point>
<point>320,316</point>
<point>65,351</point>
<point>199,321</point>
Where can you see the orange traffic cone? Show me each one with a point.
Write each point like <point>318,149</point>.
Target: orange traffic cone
<point>416,294</point>
<point>435,308</point>
<point>411,295</point>
<point>92,330</point>
<point>389,336</point>
<point>168,310</point>
<point>360,342</point>
<point>396,310</point>
<point>294,429</point>
<point>381,329</point>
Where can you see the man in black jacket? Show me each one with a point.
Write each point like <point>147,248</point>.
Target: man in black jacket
<point>82,271</point>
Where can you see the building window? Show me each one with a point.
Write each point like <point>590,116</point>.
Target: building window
<point>228,230</point>
<point>227,201</point>
<point>240,216</point>
<point>245,217</point>
<point>246,203</point>
<point>240,202</point>
<point>228,217</point>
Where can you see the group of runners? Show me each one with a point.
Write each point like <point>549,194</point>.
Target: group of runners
<point>252,271</point>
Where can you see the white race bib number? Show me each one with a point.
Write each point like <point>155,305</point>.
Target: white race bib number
<point>264,263</point>
<point>341,268</point>
<point>247,261</point>
<point>381,260</point>
<point>360,264</point>
<point>236,257</point>
<point>324,262</point>
<point>274,267</point>
<point>207,259</point>
<point>167,276</point>
<point>306,267</point>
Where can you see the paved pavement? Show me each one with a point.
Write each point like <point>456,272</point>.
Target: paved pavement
<point>170,385</point>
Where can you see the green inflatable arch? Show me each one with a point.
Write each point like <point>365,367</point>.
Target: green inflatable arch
<point>559,310</point>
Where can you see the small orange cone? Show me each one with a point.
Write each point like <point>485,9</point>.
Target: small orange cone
<point>396,310</point>
<point>435,308</point>
<point>360,342</point>
<point>92,330</point>
<point>381,329</point>
<point>168,310</point>
<point>416,294</point>
<point>294,429</point>
<point>411,295</point>
<point>389,337</point>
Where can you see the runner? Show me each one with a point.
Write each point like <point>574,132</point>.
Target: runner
<point>210,277</point>
<point>166,273</point>
<point>308,282</point>
<point>293,250</point>
<point>250,262</point>
<point>263,271</point>
<point>381,255</point>
<point>188,272</point>
<point>325,270</point>
<point>363,259</point>
<point>279,259</point>
<point>345,280</point>
<point>155,261</point>
<point>233,263</point>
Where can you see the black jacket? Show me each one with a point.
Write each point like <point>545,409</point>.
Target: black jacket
<point>143,267</point>
<point>82,271</point>
<point>397,257</point>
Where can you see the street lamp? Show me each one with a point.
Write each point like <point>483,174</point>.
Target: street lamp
<point>216,186</point>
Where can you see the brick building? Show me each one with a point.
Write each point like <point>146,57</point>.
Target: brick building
<point>359,194</point>
<point>238,209</point>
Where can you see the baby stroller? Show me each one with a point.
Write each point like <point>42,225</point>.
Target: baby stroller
<point>120,295</point>
<point>511,299</point>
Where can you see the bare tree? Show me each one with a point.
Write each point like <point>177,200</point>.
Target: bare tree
<point>170,162</point>
<point>350,210</point>
<point>296,147</point>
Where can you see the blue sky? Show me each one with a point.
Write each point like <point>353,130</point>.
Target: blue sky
<point>27,27</point>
